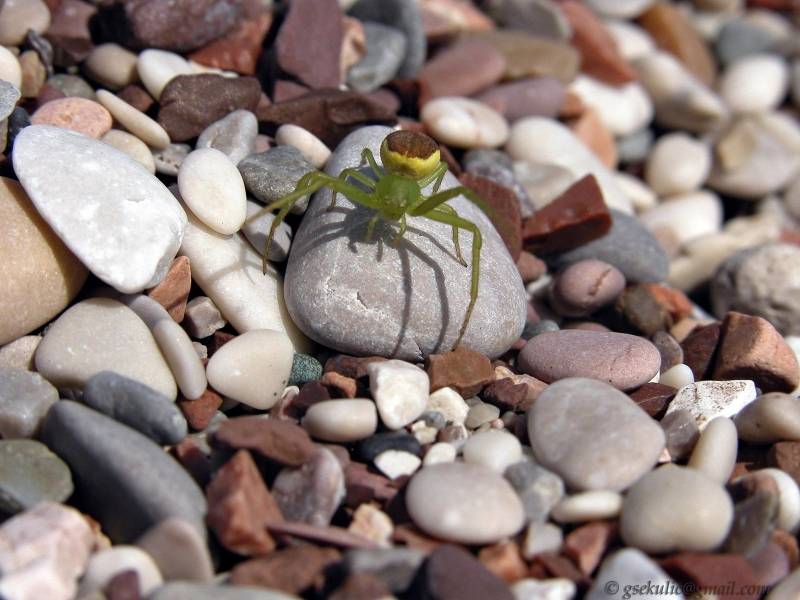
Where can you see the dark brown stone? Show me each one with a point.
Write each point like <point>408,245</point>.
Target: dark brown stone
<point>173,291</point>
<point>329,114</point>
<point>503,209</point>
<point>321,534</point>
<point>196,462</point>
<point>729,575</point>
<point>699,350</point>
<point>461,69</point>
<point>653,398</point>
<point>123,586</point>
<point>452,573</point>
<point>137,97</point>
<point>346,386</point>
<point>71,20</point>
<point>69,51</point>
<point>577,216</point>
<point>558,566</point>
<point>190,103</point>
<point>200,411</point>
<point>669,349</point>
<point>587,544</point>
<point>239,49</point>
<point>641,311</point>
<point>351,366</point>
<point>786,457</point>
<point>240,507</point>
<point>363,486</point>
<point>504,560</point>
<point>280,441</point>
<point>291,570</point>
<point>462,369</point>
<point>673,300</point>
<point>284,90</point>
<point>507,395</point>
<point>218,340</point>
<point>311,393</point>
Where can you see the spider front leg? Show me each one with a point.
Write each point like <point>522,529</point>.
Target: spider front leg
<point>447,209</point>
<point>355,173</point>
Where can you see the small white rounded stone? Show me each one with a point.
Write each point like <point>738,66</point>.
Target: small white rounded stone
<point>714,455</point>
<point>18,16</point>
<point>464,123</point>
<point>632,41</point>
<point>770,418</point>
<point>678,163</point>
<point>544,589</point>
<point>623,109</point>
<point>253,368</point>
<point>688,216</point>
<point>464,503</point>
<point>310,146</point>
<point>107,563</point>
<point>157,67</point>
<point>677,376</point>
<point>755,83</point>
<point>10,69</point>
<point>441,452</point>
<point>341,420</point>
<point>640,195</point>
<point>789,499</point>
<point>181,357</point>
<point>450,404</point>
<point>397,463</point>
<point>587,506</point>
<point>619,9</point>
<point>400,390</point>
<point>494,449</point>
<point>132,146</point>
<point>541,538</point>
<point>135,121</point>
<point>212,187</point>
<point>112,66</point>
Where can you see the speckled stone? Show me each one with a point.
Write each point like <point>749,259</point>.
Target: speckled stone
<point>275,173</point>
<point>363,307</point>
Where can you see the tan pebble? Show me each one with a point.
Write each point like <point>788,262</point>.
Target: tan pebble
<point>33,74</point>
<point>135,121</point>
<point>19,353</point>
<point>18,16</point>
<point>132,146</point>
<point>112,66</point>
<point>76,114</point>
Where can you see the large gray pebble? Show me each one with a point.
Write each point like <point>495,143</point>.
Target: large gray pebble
<point>180,590</point>
<point>628,245</point>
<point>30,474</point>
<point>631,567</point>
<point>406,300</point>
<point>275,173</point>
<point>25,398</point>
<point>385,52</point>
<point>593,435</point>
<point>233,135</point>
<point>127,482</point>
<point>137,405</point>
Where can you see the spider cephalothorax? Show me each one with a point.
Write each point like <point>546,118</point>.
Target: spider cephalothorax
<point>411,162</point>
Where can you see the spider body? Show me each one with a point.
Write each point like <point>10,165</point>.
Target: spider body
<point>411,162</point>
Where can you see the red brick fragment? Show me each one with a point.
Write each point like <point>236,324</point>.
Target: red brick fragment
<point>699,349</point>
<point>173,291</point>
<point>503,210</point>
<point>291,570</point>
<point>730,576</point>
<point>239,49</point>
<point>279,441</point>
<point>200,411</point>
<point>462,369</point>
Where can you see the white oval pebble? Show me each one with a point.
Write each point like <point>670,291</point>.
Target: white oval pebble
<point>18,16</point>
<point>157,67</point>
<point>107,563</point>
<point>714,455</point>
<point>441,452</point>
<point>135,121</point>
<point>622,109</point>
<point>253,368</point>
<point>494,449</point>
<point>212,187</point>
<point>632,41</point>
<point>789,499</point>
<point>341,420</point>
<point>678,163</point>
<point>677,376</point>
<point>642,197</point>
<point>181,357</point>
<point>755,83</point>
<point>688,216</point>
<point>464,503</point>
<point>542,538</point>
<point>310,146</point>
<point>770,418</point>
<point>132,146</point>
<point>464,123</point>
<point>544,589</point>
<point>587,506</point>
<point>397,463</point>
<point>10,69</point>
<point>112,66</point>
<point>450,404</point>
<point>400,390</point>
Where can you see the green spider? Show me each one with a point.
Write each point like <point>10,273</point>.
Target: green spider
<point>411,161</point>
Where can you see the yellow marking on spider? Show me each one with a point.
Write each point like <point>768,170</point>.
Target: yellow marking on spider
<point>409,154</point>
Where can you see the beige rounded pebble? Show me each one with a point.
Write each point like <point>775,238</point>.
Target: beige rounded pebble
<point>341,420</point>
<point>211,186</point>
<point>714,455</point>
<point>19,353</point>
<point>181,357</point>
<point>77,114</point>
<point>100,334</point>
<point>400,390</point>
<point>450,404</point>
<point>756,83</point>
<point>397,463</point>
<point>587,506</point>
<point>788,499</point>
<point>135,121</point>
<point>675,509</point>
<point>678,376</point>
<point>10,69</point>
<point>687,216</point>
<point>493,449</point>
<point>441,452</point>
<point>18,16</point>
<point>253,368</point>
<point>770,418</point>
<point>464,503</point>
<point>678,163</point>
<point>464,123</point>
<point>112,66</point>
<point>132,146</point>
<point>310,146</point>
<point>107,563</point>
<point>40,275</point>
<point>157,67</point>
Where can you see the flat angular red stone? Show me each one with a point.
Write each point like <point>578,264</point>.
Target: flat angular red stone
<point>239,49</point>
<point>504,211</point>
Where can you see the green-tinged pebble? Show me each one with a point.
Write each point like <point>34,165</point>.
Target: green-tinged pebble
<point>29,474</point>
<point>305,368</point>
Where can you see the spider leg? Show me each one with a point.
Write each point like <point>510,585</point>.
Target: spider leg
<point>437,175</point>
<point>446,208</point>
<point>366,155</point>
<point>462,223</point>
<point>402,231</point>
<point>358,176</point>
<point>371,227</point>
<point>434,200</point>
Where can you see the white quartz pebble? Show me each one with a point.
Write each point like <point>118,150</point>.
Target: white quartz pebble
<point>494,449</point>
<point>464,123</point>
<point>709,399</point>
<point>714,455</point>
<point>310,146</point>
<point>181,357</point>
<point>678,376</point>
<point>397,463</point>
<point>107,563</point>
<point>212,187</point>
<point>18,16</point>
<point>623,109</point>
<point>10,69</point>
<point>687,216</point>
<point>157,67</point>
<point>400,390</point>
<point>542,538</point>
<point>132,146</point>
<point>135,121</point>
<point>341,420</point>
<point>450,404</point>
<point>770,418</point>
<point>441,452</point>
<point>755,83</point>
<point>678,163</point>
<point>587,506</point>
<point>544,589</point>
<point>632,41</point>
<point>252,368</point>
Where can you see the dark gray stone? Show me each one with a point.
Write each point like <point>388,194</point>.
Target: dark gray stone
<point>395,567</point>
<point>754,521</point>
<point>406,17</point>
<point>629,246</point>
<point>29,474</point>
<point>385,51</point>
<point>741,37</point>
<point>533,329</point>
<point>311,493</point>
<point>538,489</point>
<point>136,405</point>
<point>17,121</point>
<point>233,135</point>
<point>272,174</point>
<point>257,230</point>
<point>670,350</point>
<point>180,590</point>
<point>499,167</point>
<point>305,368</point>
<point>124,480</point>
<point>374,445</point>
<point>405,299</point>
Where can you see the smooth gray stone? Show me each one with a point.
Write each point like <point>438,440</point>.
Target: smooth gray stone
<point>499,167</point>
<point>628,245</point>
<point>739,38</point>
<point>233,135</point>
<point>72,86</point>
<point>272,174</point>
<point>538,489</point>
<point>30,474</point>
<point>9,95</point>
<point>539,17</point>
<point>196,591</point>
<point>257,230</point>
<point>635,147</point>
<point>25,398</point>
<point>169,160</point>
<point>126,481</point>
<point>407,299</point>
<point>632,567</point>
<point>406,17</point>
<point>385,51</point>
<point>136,405</point>
<point>395,567</point>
